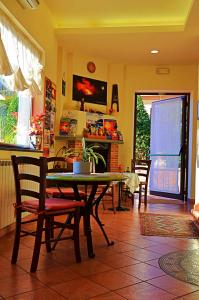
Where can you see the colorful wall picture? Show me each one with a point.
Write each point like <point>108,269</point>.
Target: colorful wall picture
<point>49,108</point>
<point>68,127</point>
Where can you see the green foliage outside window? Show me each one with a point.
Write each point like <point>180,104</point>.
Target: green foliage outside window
<point>8,118</point>
<point>142,131</point>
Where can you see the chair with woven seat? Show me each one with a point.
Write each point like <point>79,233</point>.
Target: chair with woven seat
<point>142,169</point>
<point>30,183</point>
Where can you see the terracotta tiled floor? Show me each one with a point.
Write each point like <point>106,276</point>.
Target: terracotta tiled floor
<point>127,270</point>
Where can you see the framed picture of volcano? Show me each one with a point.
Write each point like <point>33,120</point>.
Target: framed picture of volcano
<point>89,90</point>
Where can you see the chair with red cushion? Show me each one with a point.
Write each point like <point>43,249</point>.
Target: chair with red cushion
<point>30,183</point>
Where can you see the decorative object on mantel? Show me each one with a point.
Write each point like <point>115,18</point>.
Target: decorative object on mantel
<point>115,99</point>
<point>99,128</point>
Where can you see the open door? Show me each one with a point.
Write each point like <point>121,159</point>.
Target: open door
<point>168,147</point>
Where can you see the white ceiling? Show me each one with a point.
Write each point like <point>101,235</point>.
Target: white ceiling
<point>125,31</point>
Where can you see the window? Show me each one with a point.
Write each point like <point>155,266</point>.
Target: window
<point>20,79</point>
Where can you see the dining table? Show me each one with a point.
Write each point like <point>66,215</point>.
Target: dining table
<point>92,198</point>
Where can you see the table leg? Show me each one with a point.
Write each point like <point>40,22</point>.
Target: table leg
<point>119,206</point>
<point>88,234</point>
<point>94,213</point>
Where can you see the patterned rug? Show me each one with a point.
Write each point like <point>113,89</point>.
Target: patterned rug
<point>168,225</point>
<point>182,265</point>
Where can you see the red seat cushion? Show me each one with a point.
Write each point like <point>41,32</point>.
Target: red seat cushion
<point>53,204</point>
<point>69,192</point>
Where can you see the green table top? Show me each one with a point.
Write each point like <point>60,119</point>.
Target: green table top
<point>87,177</point>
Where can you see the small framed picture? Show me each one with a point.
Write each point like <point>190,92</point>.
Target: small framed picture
<point>63,87</point>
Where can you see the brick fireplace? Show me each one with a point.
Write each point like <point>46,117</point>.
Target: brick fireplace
<point>111,156</point>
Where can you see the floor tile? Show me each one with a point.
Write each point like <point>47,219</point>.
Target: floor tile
<point>55,275</point>
<point>19,284</point>
<point>117,260</point>
<point>143,255</point>
<point>109,296</point>
<point>173,286</point>
<point>80,289</point>
<point>40,294</point>
<point>89,267</point>
<point>142,291</point>
<point>143,271</point>
<point>113,280</point>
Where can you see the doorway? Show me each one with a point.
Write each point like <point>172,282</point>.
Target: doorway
<point>161,133</point>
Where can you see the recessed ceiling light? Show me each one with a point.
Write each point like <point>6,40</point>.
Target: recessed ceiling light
<point>154,51</point>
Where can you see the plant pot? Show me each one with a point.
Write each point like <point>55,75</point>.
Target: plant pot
<point>36,141</point>
<point>81,167</point>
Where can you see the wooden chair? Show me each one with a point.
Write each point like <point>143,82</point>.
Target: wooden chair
<point>142,168</point>
<point>110,195</point>
<point>58,165</point>
<point>30,183</point>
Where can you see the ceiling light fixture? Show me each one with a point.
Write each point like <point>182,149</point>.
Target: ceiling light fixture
<point>154,51</point>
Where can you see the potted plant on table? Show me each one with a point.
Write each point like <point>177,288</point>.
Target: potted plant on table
<point>87,159</point>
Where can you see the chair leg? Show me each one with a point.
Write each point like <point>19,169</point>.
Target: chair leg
<point>140,197</point>
<point>17,236</point>
<point>113,198</point>
<point>145,196</point>
<point>88,233</point>
<point>52,226</point>
<point>37,246</point>
<point>77,217</point>
<point>48,233</point>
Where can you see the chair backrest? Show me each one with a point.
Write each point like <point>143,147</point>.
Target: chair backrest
<point>141,168</point>
<point>57,164</point>
<point>30,178</point>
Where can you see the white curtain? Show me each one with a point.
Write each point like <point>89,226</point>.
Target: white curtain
<point>166,124</point>
<point>21,52</point>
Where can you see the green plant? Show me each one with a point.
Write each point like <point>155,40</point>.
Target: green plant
<point>89,153</point>
<point>142,131</point>
<point>8,118</point>
<point>86,154</point>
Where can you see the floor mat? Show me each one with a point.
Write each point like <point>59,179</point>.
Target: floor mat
<point>168,225</point>
<point>182,265</point>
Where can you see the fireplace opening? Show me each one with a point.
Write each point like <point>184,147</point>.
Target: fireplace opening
<point>104,151</point>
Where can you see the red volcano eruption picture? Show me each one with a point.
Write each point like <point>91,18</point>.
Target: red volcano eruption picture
<point>91,90</point>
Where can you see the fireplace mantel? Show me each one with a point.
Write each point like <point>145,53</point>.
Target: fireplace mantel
<point>78,138</point>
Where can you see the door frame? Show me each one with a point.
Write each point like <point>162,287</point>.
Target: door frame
<point>185,139</point>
